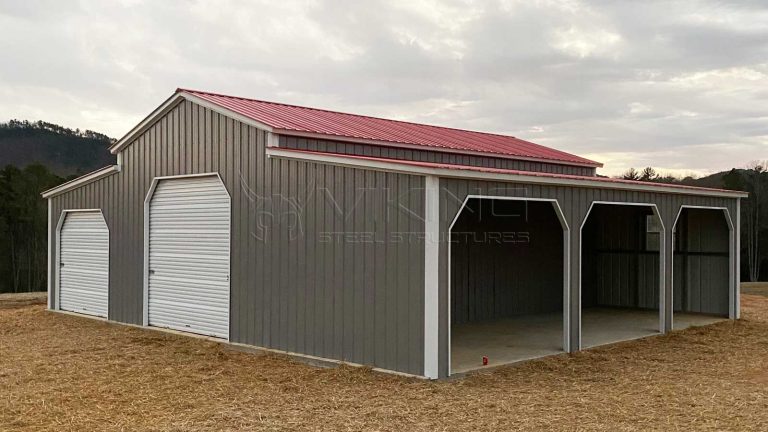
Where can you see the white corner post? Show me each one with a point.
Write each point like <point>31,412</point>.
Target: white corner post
<point>737,270</point>
<point>50,255</point>
<point>431,276</point>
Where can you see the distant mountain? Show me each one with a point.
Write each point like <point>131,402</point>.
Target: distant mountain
<point>711,181</point>
<point>64,151</point>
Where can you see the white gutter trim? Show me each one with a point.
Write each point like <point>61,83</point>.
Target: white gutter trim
<point>394,166</point>
<point>80,181</point>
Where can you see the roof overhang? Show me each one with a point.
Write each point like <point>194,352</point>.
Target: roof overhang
<point>82,180</point>
<point>490,174</point>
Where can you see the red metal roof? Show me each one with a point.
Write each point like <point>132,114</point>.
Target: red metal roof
<point>292,119</point>
<point>605,180</point>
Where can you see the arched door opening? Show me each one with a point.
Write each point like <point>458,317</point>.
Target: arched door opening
<point>621,261</point>
<point>701,267</point>
<point>507,281</point>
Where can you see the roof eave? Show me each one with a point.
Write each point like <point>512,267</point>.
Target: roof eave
<point>81,181</point>
<point>395,166</point>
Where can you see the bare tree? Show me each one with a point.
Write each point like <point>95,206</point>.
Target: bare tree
<point>755,179</point>
<point>648,174</point>
<point>631,174</point>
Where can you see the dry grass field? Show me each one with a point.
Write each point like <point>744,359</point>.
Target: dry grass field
<point>61,372</point>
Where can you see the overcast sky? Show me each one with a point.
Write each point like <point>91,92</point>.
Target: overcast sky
<point>681,86</point>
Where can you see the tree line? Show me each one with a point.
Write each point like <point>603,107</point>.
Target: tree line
<point>34,126</point>
<point>754,209</point>
<point>24,227</point>
<point>24,224</point>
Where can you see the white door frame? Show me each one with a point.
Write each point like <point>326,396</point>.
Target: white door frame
<point>57,264</point>
<point>566,262</point>
<point>147,200</point>
<point>662,255</point>
<point>734,295</point>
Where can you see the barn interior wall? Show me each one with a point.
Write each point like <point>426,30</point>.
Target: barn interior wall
<point>701,272</point>
<point>507,260</point>
<point>620,260</point>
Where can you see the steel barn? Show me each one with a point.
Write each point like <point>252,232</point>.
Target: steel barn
<point>411,248</point>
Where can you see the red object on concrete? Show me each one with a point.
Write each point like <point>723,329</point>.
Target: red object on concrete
<point>313,122</point>
<point>485,361</point>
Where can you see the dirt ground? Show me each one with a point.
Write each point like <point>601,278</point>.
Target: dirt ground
<point>8,301</point>
<point>61,372</point>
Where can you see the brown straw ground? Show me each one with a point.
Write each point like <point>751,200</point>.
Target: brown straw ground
<point>61,372</point>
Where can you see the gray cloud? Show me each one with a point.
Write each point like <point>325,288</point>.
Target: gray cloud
<point>681,85</point>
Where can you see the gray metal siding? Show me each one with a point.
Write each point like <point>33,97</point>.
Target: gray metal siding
<point>294,287</point>
<point>430,156</point>
<point>575,202</point>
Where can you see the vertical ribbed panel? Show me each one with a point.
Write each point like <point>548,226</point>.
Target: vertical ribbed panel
<point>430,156</point>
<point>189,220</point>
<point>84,264</point>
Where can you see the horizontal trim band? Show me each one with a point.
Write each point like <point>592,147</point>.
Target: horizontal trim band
<point>418,168</point>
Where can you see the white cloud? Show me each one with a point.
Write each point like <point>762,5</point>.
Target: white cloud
<point>586,42</point>
<point>679,86</point>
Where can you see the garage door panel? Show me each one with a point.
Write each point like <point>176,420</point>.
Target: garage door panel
<point>84,264</point>
<point>189,243</point>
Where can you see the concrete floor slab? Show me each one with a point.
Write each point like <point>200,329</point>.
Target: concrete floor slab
<point>681,321</point>
<point>530,336</point>
<point>505,341</point>
<point>600,326</point>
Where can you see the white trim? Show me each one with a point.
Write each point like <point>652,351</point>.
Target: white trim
<point>50,255</point>
<point>460,152</point>
<point>171,103</point>
<point>149,120</point>
<point>80,181</point>
<point>394,166</point>
<point>225,111</point>
<point>566,263</point>
<point>273,140</point>
<point>57,270</point>
<point>431,277</point>
<point>145,278</point>
<point>733,254</point>
<point>737,276</point>
<point>662,257</point>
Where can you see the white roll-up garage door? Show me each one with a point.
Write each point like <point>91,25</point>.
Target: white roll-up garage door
<point>84,263</point>
<point>188,281</point>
